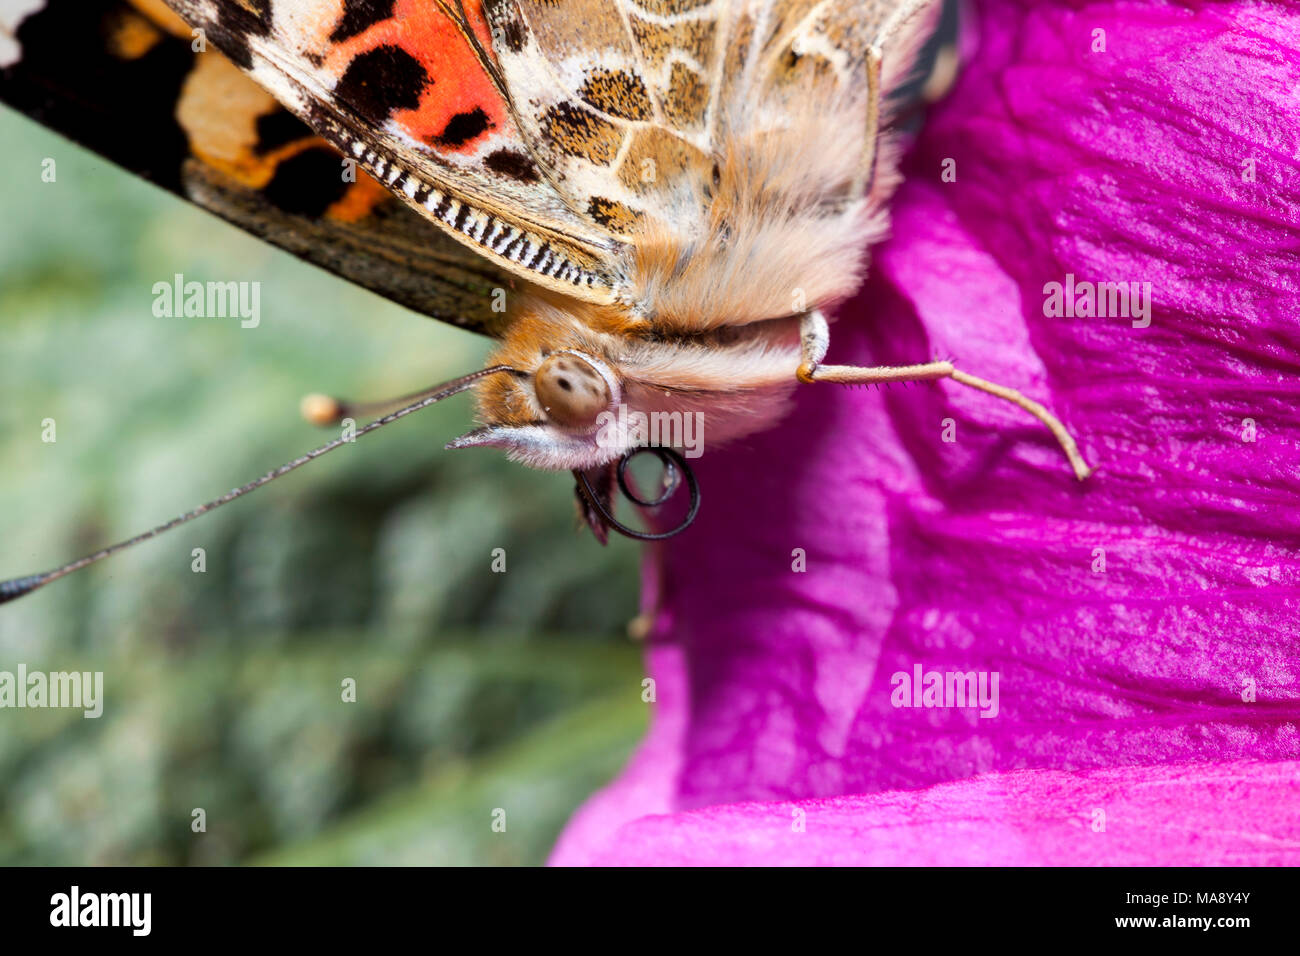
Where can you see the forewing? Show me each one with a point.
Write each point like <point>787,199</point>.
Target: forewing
<point>784,55</point>
<point>407,89</point>
<point>124,81</point>
<point>625,99</point>
<point>615,96</point>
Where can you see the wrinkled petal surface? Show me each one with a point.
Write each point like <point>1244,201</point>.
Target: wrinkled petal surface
<point>1142,624</point>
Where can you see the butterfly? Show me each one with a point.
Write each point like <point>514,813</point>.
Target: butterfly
<point>651,205</point>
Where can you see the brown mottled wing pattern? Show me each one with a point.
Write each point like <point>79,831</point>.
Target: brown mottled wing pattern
<point>866,45</point>
<point>614,94</point>
<point>123,80</point>
<point>624,98</point>
<point>408,89</point>
<point>779,51</point>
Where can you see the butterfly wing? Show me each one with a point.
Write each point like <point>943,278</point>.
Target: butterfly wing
<point>123,80</point>
<point>533,134</point>
<point>409,90</point>
<point>619,98</point>
<point>627,98</point>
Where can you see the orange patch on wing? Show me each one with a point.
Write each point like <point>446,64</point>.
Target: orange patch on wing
<point>459,84</point>
<point>132,36</point>
<point>218,109</point>
<point>249,169</point>
<point>360,200</point>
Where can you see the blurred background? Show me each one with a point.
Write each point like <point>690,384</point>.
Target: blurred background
<point>476,690</point>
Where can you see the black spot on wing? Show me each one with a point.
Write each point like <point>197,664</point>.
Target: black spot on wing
<point>124,109</point>
<point>236,23</point>
<point>359,16</point>
<point>514,36</point>
<point>503,16</point>
<point>277,129</point>
<point>463,127</point>
<point>507,162</point>
<point>307,184</point>
<point>380,81</point>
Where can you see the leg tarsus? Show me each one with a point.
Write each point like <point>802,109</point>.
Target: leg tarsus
<point>1066,440</point>
<point>811,371</point>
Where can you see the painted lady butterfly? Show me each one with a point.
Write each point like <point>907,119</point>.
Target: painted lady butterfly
<point>670,191</point>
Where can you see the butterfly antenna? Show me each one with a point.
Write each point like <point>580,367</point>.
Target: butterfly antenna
<point>326,410</point>
<point>17,587</point>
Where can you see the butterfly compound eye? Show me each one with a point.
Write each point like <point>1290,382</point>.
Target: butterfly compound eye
<point>572,390</point>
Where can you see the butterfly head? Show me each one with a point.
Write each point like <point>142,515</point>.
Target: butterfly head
<point>554,409</point>
<point>588,386</point>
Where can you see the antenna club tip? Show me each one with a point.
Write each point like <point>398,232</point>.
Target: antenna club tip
<point>320,409</point>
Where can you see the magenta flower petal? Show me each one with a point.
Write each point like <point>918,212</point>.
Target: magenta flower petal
<point>1129,816</point>
<point>1142,624</point>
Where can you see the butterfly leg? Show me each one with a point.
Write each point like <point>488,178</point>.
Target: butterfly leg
<point>814,336</point>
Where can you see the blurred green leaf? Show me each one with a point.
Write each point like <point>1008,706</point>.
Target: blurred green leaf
<point>222,687</point>
<point>448,819</point>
